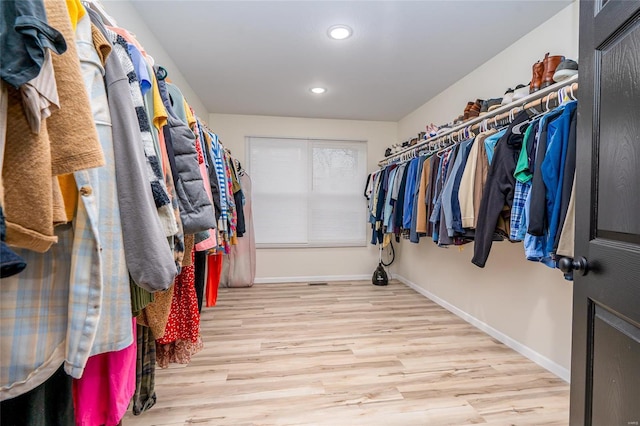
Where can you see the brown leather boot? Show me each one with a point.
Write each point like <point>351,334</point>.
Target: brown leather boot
<point>550,64</point>
<point>474,111</point>
<point>538,73</point>
<point>465,115</point>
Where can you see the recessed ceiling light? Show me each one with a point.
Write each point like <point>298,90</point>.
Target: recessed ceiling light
<point>318,90</point>
<point>340,32</point>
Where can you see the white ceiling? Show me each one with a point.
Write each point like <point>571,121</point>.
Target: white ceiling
<point>261,57</point>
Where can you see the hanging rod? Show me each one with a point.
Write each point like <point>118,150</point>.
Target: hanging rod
<point>528,102</point>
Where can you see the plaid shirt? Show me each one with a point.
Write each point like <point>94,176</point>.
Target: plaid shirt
<point>518,211</point>
<point>33,317</point>
<point>52,312</point>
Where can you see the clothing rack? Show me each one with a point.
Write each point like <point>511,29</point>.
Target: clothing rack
<point>535,102</point>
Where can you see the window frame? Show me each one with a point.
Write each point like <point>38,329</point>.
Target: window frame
<point>310,145</point>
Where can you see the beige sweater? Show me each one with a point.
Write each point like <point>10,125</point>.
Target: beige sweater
<point>67,142</point>
<point>73,136</point>
<point>471,183</point>
<point>27,181</point>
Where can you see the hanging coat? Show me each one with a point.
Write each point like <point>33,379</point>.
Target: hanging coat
<point>196,210</point>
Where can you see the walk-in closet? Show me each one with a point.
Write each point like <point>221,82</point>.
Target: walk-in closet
<point>319,212</point>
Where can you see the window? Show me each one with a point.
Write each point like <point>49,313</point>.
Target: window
<point>308,193</point>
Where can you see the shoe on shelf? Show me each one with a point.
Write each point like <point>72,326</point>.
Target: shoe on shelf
<point>494,103</point>
<point>485,108</point>
<point>536,78</point>
<point>432,130</point>
<point>550,65</point>
<point>566,69</point>
<point>465,115</point>
<point>508,97</point>
<point>474,111</point>
<point>520,92</point>
<point>444,128</point>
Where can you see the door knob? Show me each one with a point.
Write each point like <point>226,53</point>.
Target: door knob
<point>568,265</point>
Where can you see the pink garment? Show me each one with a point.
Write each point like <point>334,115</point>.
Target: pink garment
<point>101,396</point>
<point>129,37</point>
<point>212,241</point>
<point>214,269</point>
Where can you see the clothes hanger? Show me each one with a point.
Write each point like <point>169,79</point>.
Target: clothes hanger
<point>443,151</point>
<point>519,128</point>
<point>161,73</point>
<point>443,145</point>
<point>545,110</point>
<point>566,97</point>
<point>470,134</point>
<point>534,111</point>
<point>509,120</point>
<point>495,122</point>
<point>560,96</point>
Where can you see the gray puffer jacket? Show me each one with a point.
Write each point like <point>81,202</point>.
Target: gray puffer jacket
<point>196,211</point>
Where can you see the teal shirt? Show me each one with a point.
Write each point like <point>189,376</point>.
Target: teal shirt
<point>522,172</point>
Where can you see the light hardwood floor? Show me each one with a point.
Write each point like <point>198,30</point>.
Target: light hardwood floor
<point>349,353</point>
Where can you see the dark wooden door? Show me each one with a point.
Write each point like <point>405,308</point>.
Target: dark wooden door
<point>605,364</point>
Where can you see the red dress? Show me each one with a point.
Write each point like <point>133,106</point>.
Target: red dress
<point>181,338</point>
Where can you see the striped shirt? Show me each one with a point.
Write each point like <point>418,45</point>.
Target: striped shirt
<point>154,169</point>
<point>217,153</point>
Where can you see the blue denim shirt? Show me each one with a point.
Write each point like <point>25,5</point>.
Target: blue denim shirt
<point>552,168</point>
<point>409,193</point>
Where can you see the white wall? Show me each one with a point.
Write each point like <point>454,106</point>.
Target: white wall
<point>512,66</point>
<point>527,302</point>
<point>274,264</point>
<point>128,17</point>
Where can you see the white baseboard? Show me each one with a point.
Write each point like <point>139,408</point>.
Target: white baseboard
<point>315,278</point>
<point>522,349</point>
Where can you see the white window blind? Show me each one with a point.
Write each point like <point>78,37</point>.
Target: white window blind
<point>308,192</point>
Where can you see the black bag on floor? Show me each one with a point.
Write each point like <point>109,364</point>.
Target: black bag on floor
<point>380,276</point>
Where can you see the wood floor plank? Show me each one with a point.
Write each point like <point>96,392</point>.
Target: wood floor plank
<point>349,353</point>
